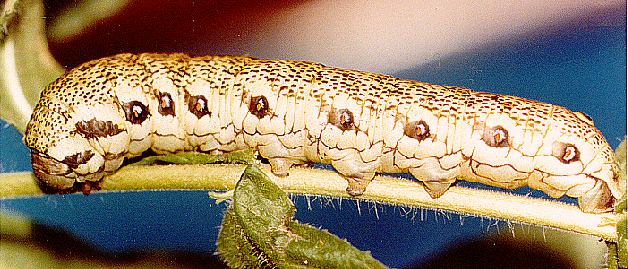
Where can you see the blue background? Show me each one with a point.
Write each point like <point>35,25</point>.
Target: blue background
<point>581,66</point>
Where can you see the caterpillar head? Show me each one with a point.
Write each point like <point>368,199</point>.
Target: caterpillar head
<point>576,160</point>
<point>66,150</point>
<point>77,132</point>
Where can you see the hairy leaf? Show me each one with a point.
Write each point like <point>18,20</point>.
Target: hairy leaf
<point>258,231</point>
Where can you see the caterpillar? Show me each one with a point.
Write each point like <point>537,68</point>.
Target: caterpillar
<point>103,111</point>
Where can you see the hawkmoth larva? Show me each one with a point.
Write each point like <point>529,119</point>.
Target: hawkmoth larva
<point>295,112</point>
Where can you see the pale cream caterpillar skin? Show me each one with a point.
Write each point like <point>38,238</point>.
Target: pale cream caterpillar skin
<point>293,113</point>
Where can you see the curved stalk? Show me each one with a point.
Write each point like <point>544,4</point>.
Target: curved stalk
<point>328,183</point>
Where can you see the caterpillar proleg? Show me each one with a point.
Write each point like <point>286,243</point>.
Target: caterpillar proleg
<point>293,112</point>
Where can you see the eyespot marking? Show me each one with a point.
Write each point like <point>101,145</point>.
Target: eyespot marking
<point>94,128</point>
<point>342,118</point>
<point>259,106</point>
<point>197,105</point>
<point>565,152</point>
<point>496,137</point>
<point>166,105</point>
<point>135,112</point>
<point>418,130</point>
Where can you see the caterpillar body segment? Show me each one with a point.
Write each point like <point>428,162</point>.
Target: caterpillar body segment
<point>294,112</point>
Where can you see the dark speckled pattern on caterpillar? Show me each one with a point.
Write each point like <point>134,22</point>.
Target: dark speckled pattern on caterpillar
<point>294,112</point>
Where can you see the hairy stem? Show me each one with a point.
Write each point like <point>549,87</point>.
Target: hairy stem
<point>328,183</point>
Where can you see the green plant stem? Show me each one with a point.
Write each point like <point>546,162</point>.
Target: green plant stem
<point>26,65</point>
<point>327,183</point>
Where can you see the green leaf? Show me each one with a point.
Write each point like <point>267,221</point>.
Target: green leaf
<point>237,157</point>
<point>258,232</point>
<point>26,65</point>
<point>324,250</point>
